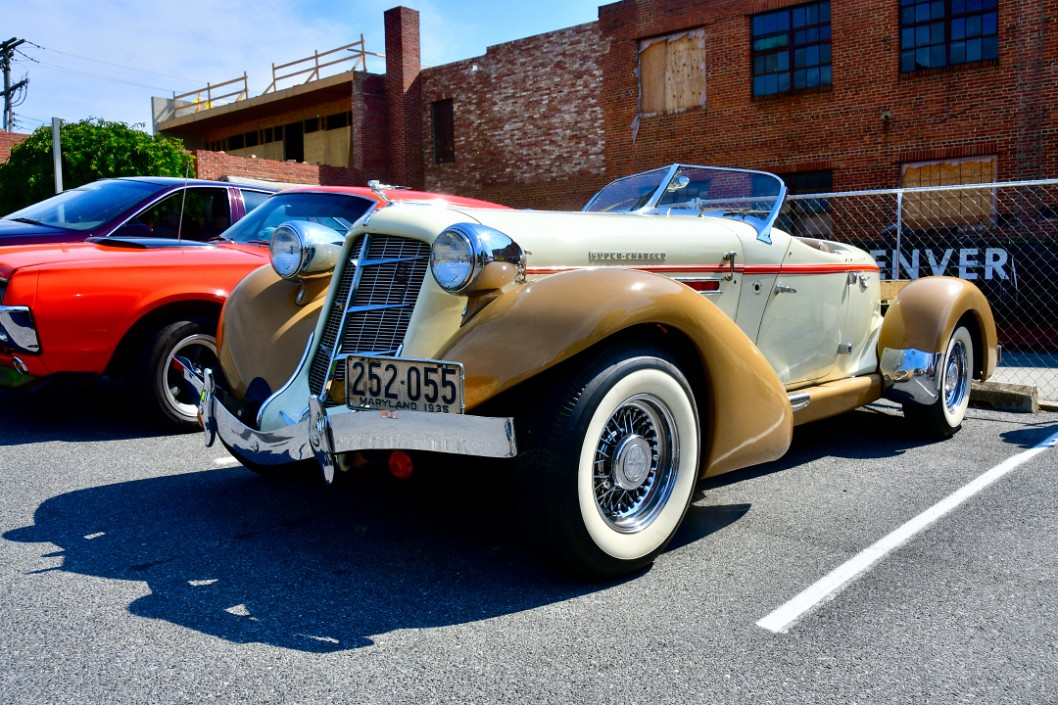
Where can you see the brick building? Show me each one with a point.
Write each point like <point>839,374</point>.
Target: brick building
<point>843,96</point>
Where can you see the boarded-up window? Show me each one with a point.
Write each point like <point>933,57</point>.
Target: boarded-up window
<point>672,72</point>
<point>444,138</point>
<point>949,207</point>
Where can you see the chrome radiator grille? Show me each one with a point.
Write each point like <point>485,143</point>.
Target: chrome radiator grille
<point>373,303</point>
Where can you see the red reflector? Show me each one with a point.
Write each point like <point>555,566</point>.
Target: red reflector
<point>704,285</point>
<point>400,465</point>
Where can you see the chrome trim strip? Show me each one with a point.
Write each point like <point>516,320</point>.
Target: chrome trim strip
<point>911,375</point>
<point>17,329</point>
<point>799,401</point>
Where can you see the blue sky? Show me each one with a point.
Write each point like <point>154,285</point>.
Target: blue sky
<point>106,59</point>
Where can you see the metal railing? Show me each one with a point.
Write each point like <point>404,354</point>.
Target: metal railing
<point>308,69</point>
<point>1001,236</point>
<point>310,66</point>
<point>209,97</point>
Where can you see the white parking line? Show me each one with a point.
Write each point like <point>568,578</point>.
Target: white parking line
<point>782,618</point>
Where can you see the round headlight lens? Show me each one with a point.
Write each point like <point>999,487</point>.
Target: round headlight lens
<point>288,251</point>
<point>452,260</point>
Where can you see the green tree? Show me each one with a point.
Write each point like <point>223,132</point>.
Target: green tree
<point>91,149</point>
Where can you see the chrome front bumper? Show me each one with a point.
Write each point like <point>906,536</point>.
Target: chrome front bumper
<point>911,376</point>
<point>328,432</point>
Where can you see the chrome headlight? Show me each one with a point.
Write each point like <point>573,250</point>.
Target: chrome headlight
<point>468,257</point>
<point>302,249</point>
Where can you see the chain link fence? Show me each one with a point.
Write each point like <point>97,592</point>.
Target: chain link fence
<point>1001,236</point>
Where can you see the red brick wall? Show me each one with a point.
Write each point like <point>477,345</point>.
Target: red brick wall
<point>863,127</point>
<point>528,118</point>
<point>7,141</point>
<point>214,165</point>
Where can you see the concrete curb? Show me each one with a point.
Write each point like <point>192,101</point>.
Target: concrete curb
<point>1020,398</point>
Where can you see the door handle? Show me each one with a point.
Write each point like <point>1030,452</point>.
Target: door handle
<point>729,257</point>
<point>783,289</point>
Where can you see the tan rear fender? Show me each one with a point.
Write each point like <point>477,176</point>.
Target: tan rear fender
<point>925,312</point>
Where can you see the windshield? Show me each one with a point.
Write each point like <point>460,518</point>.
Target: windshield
<point>752,196</point>
<point>337,211</point>
<point>88,206</point>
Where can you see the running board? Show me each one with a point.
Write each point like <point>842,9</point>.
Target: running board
<point>833,398</point>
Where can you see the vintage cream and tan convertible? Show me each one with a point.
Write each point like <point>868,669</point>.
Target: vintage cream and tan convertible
<point>618,355</point>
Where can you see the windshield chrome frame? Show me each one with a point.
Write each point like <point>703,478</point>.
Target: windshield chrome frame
<point>667,175</point>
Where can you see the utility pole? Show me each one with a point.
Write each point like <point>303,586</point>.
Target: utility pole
<point>7,50</point>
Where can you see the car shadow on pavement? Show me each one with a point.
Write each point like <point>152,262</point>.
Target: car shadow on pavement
<point>310,567</point>
<point>875,431</point>
<point>74,410</point>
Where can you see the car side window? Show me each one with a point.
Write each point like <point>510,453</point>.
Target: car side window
<point>198,214</point>
<point>252,199</point>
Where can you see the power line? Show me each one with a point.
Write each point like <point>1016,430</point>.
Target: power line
<point>105,63</point>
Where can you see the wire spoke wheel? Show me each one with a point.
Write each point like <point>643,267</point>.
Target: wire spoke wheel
<point>944,417</point>
<point>611,460</point>
<point>635,463</point>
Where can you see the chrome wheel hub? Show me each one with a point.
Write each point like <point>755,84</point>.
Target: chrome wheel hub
<point>636,459</point>
<point>955,376</point>
<point>632,463</point>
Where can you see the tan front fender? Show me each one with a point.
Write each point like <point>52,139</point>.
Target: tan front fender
<point>745,412</point>
<point>924,314</point>
<point>264,328</point>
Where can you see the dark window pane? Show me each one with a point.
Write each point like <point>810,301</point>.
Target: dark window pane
<point>958,30</point>
<point>444,148</point>
<point>973,50</point>
<point>938,56</point>
<point>907,61</point>
<point>990,48</point>
<point>990,24</point>
<point>936,33</point>
<point>958,52</point>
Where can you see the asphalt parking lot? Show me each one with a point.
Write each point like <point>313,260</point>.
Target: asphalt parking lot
<point>138,568</point>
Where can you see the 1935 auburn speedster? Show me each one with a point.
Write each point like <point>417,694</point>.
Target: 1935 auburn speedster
<point>667,333</point>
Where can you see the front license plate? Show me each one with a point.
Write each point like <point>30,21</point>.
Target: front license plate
<point>400,383</point>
